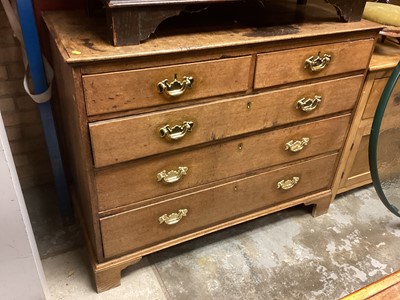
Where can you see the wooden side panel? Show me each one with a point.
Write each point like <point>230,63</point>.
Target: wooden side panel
<point>130,183</point>
<point>118,91</point>
<point>361,163</point>
<point>76,139</point>
<point>374,97</point>
<point>128,138</point>
<point>137,229</point>
<point>351,177</point>
<point>287,66</point>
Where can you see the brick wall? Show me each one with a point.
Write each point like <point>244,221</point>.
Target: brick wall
<point>20,114</point>
<point>25,134</point>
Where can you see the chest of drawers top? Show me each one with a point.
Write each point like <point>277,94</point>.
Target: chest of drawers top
<point>82,40</point>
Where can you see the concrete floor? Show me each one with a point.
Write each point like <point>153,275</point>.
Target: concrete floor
<point>51,235</point>
<point>286,255</point>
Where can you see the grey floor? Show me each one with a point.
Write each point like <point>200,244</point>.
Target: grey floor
<point>286,255</point>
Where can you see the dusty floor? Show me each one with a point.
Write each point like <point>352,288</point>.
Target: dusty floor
<point>286,255</point>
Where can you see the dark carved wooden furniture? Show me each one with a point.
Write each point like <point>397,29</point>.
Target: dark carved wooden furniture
<point>132,21</point>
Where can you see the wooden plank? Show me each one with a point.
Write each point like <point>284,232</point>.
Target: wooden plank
<point>385,288</point>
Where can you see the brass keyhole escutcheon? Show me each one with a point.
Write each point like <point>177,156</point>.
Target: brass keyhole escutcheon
<point>249,105</point>
<point>240,146</point>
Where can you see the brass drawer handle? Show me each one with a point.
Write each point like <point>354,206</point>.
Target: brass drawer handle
<point>288,183</point>
<point>296,146</point>
<point>173,175</point>
<point>317,64</point>
<point>174,217</point>
<point>177,132</point>
<point>176,87</point>
<point>308,104</point>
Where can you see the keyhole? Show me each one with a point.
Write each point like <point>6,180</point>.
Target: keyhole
<point>249,104</point>
<point>240,146</point>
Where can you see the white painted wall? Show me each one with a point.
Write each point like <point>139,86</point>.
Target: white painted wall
<point>21,273</point>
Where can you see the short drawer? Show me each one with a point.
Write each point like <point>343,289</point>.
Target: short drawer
<point>119,91</point>
<point>287,66</point>
<point>133,182</point>
<point>140,228</point>
<point>128,138</point>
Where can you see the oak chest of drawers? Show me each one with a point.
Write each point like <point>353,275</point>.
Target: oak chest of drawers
<point>187,134</point>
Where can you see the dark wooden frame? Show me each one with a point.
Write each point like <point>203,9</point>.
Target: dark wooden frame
<point>131,21</point>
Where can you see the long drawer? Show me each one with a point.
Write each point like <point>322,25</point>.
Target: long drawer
<point>118,91</point>
<point>129,183</point>
<point>128,138</point>
<point>287,66</point>
<point>143,227</point>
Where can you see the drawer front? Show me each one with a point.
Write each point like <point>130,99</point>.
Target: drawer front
<point>140,228</point>
<point>133,137</point>
<point>287,66</point>
<point>118,91</point>
<point>159,176</point>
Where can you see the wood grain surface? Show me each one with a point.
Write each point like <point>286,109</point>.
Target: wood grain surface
<point>123,139</point>
<point>130,183</point>
<point>136,229</point>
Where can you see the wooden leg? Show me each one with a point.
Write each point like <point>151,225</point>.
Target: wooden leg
<point>321,206</point>
<point>108,275</point>
<point>107,279</point>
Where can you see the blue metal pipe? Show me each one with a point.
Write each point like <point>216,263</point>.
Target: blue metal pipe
<point>37,70</point>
